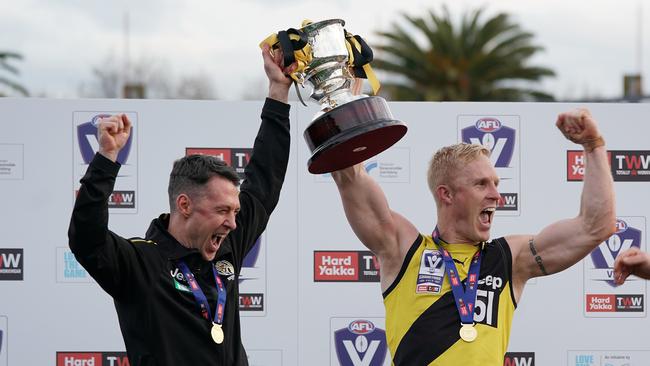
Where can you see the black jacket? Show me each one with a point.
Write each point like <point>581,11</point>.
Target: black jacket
<point>159,318</point>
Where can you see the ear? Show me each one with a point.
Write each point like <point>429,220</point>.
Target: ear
<point>444,194</point>
<point>184,205</point>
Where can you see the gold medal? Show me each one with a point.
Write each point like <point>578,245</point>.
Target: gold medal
<point>468,333</point>
<point>217,333</point>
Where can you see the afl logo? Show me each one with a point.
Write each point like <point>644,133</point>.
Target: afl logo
<point>621,226</point>
<point>224,268</point>
<point>488,125</point>
<point>95,120</point>
<point>361,327</point>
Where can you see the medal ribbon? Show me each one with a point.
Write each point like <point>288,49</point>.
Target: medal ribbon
<point>199,296</point>
<point>465,297</point>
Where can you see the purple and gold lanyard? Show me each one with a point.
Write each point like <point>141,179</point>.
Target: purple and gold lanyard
<point>465,296</point>
<point>201,300</point>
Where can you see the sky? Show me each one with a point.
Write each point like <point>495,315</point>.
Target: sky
<point>590,44</point>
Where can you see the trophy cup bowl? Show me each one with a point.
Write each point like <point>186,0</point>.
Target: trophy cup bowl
<point>349,128</point>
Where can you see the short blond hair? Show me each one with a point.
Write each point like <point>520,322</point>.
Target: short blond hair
<point>448,159</point>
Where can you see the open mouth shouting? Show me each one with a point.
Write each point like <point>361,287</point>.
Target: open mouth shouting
<point>486,216</point>
<point>216,239</point>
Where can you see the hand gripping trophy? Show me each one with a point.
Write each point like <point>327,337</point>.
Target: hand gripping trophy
<point>349,128</point>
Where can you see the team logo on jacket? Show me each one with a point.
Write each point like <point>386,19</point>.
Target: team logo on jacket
<point>360,343</point>
<point>225,268</point>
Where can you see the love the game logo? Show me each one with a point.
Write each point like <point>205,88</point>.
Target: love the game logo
<point>88,145</point>
<point>360,344</point>
<point>605,254</point>
<point>492,134</point>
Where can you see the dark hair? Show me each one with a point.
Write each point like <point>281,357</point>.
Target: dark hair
<point>191,172</point>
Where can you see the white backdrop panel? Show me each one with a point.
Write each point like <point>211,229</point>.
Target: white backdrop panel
<point>305,301</point>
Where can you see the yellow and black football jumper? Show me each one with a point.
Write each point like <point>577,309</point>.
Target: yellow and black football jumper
<point>422,321</point>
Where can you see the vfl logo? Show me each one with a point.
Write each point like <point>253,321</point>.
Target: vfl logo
<point>491,133</point>
<point>88,144</point>
<point>360,344</point>
<point>605,255</point>
<point>432,262</point>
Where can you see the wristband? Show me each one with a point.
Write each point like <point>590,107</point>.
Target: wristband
<point>590,144</point>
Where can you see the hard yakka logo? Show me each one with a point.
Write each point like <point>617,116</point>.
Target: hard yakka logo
<point>345,266</point>
<point>92,359</point>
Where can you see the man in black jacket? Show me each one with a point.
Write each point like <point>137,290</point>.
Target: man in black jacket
<point>176,291</point>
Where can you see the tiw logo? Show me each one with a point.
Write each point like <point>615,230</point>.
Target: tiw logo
<point>251,302</point>
<point>11,264</point>
<point>122,199</point>
<point>519,359</point>
<point>10,260</point>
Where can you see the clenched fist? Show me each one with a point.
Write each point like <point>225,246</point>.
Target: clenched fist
<point>580,127</point>
<point>112,134</point>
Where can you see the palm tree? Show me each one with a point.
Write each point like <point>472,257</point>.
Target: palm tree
<point>480,61</point>
<point>4,66</point>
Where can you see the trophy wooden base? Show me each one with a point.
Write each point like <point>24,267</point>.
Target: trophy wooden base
<point>350,134</point>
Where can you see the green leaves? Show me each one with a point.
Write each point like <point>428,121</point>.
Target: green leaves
<point>5,67</point>
<point>474,61</point>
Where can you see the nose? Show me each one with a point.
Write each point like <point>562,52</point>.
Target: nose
<point>494,193</point>
<point>230,222</point>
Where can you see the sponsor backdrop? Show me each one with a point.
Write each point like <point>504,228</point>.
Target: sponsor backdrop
<point>310,291</point>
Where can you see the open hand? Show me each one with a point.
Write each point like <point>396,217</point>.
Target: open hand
<point>631,262</point>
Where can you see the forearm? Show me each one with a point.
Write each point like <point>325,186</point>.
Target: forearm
<point>597,206</point>
<point>89,223</point>
<point>279,92</point>
<point>365,205</point>
<point>266,170</point>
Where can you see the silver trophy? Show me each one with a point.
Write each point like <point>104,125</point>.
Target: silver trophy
<point>349,128</point>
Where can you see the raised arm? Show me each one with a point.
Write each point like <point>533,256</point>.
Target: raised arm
<point>265,172</point>
<point>386,233</point>
<point>106,256</point>
<point>564,243</point>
